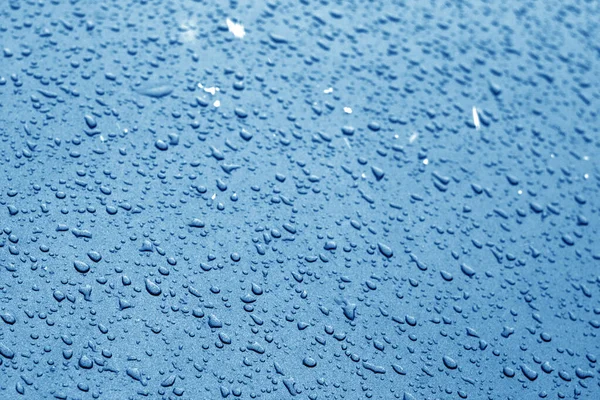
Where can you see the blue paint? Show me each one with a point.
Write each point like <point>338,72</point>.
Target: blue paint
<point>310,200</point>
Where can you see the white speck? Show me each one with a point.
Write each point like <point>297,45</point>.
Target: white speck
<point>396,136</point>
<point>364,176</point>
<point>188,35</point>
<point>217,103</point>
<point>102,138</point>
<point>212,90</point>
<point>214,196</point>
<point>347,143</point>
<point>520,191</point>
<point>586,158</point>
<point>426,161</point>
<point>235,28</point>
<point>586,176</point>
<point>413,137</point>
<point>552,155</point>
<point>327,91</point>
<point>476,119</point>
<point>347,110</point>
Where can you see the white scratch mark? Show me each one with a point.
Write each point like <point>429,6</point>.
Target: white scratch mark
<point>476,119</point>
<point>235,28</point>
<point>347,143</point>
<point>413,137</point>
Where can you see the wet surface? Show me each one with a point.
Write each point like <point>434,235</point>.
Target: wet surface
<point>309,200</point>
